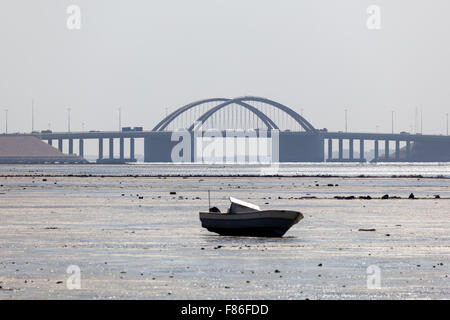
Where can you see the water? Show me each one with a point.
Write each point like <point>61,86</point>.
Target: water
<point>432,170</point>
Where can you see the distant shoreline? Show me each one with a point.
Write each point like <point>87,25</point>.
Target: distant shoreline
<point>21,175</point>
<point>277,171</point>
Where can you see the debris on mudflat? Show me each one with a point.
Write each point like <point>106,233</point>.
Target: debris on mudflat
<point>367,229</point>
<point>345,197</point>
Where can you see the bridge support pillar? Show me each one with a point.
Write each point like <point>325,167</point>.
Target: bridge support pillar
<point>132,149</point>
<point>350,151</point>
<point>330,149</point>
<point>111,148</point>
<point>60,145</point>
<point>386,149</point>
<point>122,156</point>
<point>361,150</point>
<point>50,141</point>
<point>100,148</point>
<point>81,147</point>
<point>397,149</point>
<point>408,150</point>
<point>377,150</point>
<point>340,150</point>
<point>70,146</point>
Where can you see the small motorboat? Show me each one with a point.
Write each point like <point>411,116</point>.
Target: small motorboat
<point>246,219</point>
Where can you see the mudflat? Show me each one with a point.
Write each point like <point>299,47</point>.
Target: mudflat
<point>141,238</point>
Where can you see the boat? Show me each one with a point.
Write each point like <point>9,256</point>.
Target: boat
<point>247,219</point>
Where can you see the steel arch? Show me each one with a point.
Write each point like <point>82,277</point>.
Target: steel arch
<point>167,120</point>
<point>242,101</point>
<point>300,120</point>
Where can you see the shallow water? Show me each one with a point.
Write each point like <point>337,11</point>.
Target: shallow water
<point>151,248</point>
<point>283,169</point>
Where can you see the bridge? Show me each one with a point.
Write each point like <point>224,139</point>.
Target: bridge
<point>299,140</point>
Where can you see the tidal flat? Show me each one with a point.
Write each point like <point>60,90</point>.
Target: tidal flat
<point>141,238</point>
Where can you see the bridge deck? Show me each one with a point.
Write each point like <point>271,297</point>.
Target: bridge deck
<point>325,135</point>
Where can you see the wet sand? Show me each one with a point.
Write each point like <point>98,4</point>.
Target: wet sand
<point>155,248</point>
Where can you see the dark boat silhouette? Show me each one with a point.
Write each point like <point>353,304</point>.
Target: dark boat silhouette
<point>246,219</point>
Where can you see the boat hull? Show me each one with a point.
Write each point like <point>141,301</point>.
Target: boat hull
<point>269,223</point>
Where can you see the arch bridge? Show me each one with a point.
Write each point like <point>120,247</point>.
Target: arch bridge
<point>238,113</point>
<point>299,140</point>
<point>250,114</point>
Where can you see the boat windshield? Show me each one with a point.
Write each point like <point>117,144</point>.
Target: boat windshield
<point>240,206</point>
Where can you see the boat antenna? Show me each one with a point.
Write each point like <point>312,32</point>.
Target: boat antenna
<point>209,200</point>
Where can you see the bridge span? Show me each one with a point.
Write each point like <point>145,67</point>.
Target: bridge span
<point>339,146</point>
<point>298,139</point>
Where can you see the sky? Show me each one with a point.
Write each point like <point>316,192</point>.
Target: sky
<point>318,56</point>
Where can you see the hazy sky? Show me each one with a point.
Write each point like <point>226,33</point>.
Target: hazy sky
<point>144,56</point>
